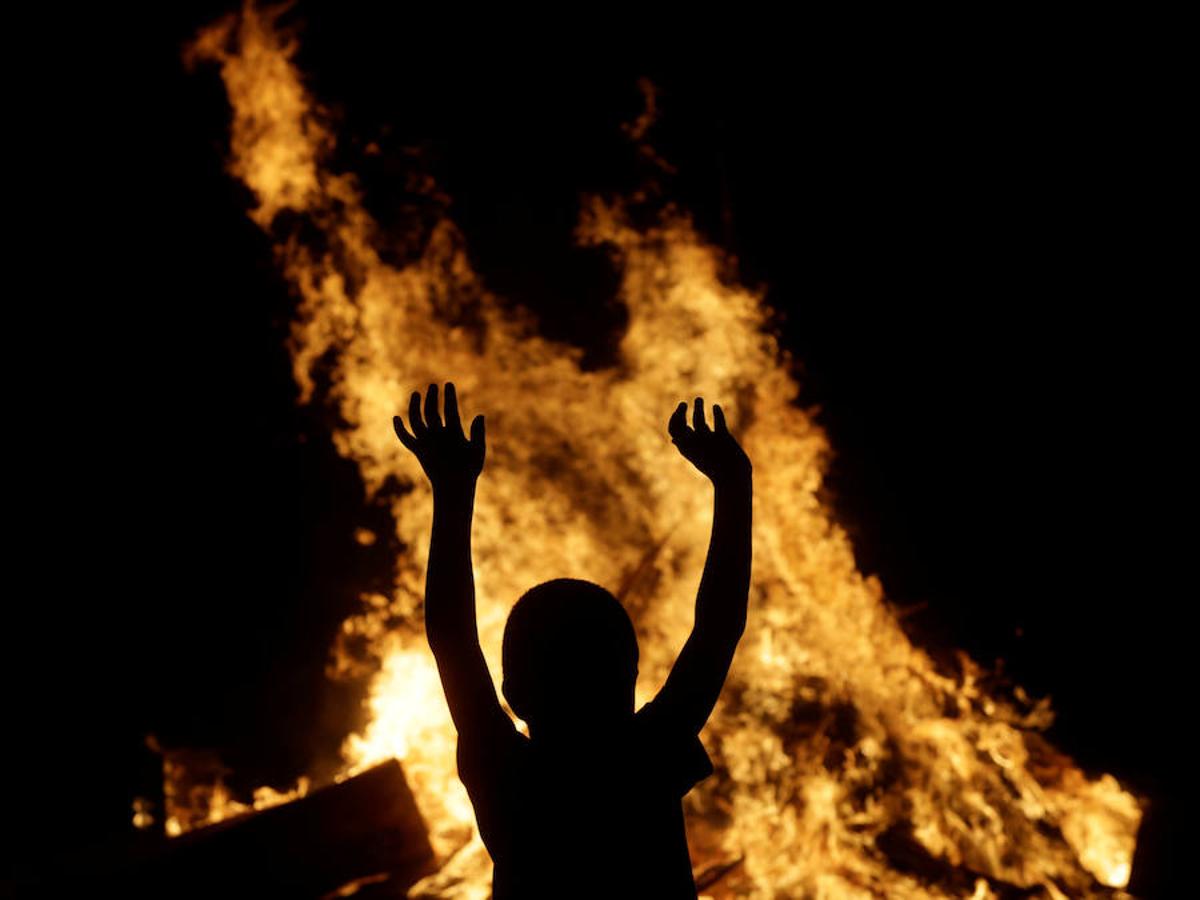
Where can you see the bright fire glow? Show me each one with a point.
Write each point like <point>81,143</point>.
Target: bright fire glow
<point>847,764</point>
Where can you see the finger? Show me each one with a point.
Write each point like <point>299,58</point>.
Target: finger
<point>433,419</point>
<point>453,422</point>
<point>479,432</point>
<point>401,432</point>
<point>678,422</point>
<point>719,420</point>
<point>414,414</point>
<point>698,416</point>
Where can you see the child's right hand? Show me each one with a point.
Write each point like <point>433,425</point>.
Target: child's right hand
<point>715,451</point>
<point>449,459</point>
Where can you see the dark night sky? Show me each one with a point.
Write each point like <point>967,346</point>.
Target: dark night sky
<point>969,244</point>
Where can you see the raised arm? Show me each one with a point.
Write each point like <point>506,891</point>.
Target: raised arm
<point>453,464</point>
<point>692,688</point>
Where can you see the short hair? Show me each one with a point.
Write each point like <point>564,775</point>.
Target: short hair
<point>559,622</point>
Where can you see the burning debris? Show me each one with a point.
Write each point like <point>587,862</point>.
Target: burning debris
<point>364,830</point>
<point>847,763</point>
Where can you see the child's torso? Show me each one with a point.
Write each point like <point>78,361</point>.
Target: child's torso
<point>602,823</point>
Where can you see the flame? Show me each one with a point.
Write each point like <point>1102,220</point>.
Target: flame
<point>195,793</point>
<point>847,764</point>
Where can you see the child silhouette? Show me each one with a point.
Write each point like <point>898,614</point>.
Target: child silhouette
<point>589,805</point>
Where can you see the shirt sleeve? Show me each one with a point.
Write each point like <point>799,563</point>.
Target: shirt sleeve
<point>484,754</point>
<point>676,754</point>
<point>484,764</point>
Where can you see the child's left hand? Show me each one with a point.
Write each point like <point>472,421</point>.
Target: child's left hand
<point>449,459</point>
<point>714,451</point>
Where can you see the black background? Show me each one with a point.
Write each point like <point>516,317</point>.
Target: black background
<point>968,231</point>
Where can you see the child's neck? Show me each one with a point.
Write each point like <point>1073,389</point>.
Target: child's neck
<point>578,734</point>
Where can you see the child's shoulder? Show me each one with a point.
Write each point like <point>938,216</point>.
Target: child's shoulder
<point>675,752</point>
<point>483,756</point>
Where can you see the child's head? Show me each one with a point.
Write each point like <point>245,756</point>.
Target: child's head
<point>570,656</point>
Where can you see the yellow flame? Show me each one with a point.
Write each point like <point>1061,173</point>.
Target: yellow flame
<point>835,738</point>
<point>195,793</point>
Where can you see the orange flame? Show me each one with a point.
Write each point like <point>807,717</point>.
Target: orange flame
<point>841,751</point>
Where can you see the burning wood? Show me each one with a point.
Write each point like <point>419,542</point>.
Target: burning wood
<point>367,827</point>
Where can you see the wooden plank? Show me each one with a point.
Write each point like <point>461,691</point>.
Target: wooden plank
<point>365,825</point>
